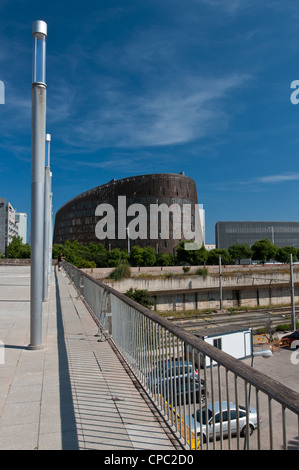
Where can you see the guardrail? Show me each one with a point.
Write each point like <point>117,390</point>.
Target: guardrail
<point>203,405</point>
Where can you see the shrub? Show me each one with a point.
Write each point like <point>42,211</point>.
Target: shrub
<point>122,271</point>
<point>141,296</point>
<point>186,269</point>
<point>202,272</point>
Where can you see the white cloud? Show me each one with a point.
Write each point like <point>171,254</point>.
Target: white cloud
<point>279,178</point>
<point>185,110</point>
<point>258,184</point>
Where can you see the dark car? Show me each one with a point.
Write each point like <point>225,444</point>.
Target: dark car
<point>194,395</point>
<point>181,391</point>
<point>177,377</point>
<point>292,338</point>
<point>168,370</point>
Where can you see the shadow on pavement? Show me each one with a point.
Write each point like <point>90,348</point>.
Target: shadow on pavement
<point>67,412</point>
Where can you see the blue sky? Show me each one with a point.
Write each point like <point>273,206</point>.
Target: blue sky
<point>137,87</point>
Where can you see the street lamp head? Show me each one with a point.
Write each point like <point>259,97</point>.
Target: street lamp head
<point>39,32</point>
<point>264,353</point>
<point>39,27</point>
<point>48,141</point>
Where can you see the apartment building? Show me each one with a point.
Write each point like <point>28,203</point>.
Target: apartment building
<point>8,226</point>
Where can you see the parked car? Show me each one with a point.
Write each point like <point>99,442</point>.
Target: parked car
<point>183,391</point>
<point>212,421</point>
<point>292,337</point>
<point>169,370</point>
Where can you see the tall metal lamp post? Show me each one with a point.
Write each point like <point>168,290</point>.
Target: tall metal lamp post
<point>38,137</point>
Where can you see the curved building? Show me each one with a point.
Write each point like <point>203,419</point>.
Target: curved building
<point>133,211</point>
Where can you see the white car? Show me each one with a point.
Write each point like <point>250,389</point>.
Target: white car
<point>212,422</point>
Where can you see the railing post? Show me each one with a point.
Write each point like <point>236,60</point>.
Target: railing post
<point>81,285</point>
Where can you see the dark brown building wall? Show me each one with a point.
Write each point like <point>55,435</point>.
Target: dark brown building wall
<point>76,220</point>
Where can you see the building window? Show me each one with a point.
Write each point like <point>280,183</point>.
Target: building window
<point>217,343</point>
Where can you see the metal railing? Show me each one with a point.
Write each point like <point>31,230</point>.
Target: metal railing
<point>211,400</point>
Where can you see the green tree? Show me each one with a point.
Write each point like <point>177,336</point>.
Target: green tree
<point>141,296</point>
<point>201,256</point>
<point>283,254</point>
<point>17,249</point>
<point>98,254</point>
<point>74,253</point>
<point>183,256</point>
<point>213,257</point>
<point>149,256</point>
<point>56,249</point>
<point>190,257</point>
<point>115,257</point>
<point>240,251</point>
<point>136,256</point>
<point>165,259</point>
<point>263,250</point>
<point>142,256</point>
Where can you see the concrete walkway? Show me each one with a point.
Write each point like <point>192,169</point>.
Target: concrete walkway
<point>73,394</point>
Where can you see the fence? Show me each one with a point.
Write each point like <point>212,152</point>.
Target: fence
<point>227,405</point>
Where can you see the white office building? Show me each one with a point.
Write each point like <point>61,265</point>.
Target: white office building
<point>21,221</point>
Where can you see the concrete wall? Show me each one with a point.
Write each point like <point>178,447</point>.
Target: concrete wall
<point>231,298</point>
<point>242,286</point>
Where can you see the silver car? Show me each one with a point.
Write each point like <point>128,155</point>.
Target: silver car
<point>212,422</point>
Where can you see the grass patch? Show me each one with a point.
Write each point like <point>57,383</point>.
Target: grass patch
<point>183,313</point>
<point>204,272</point>
<point>122,271</point>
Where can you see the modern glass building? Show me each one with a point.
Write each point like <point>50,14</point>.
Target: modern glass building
<point>279,233</point>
